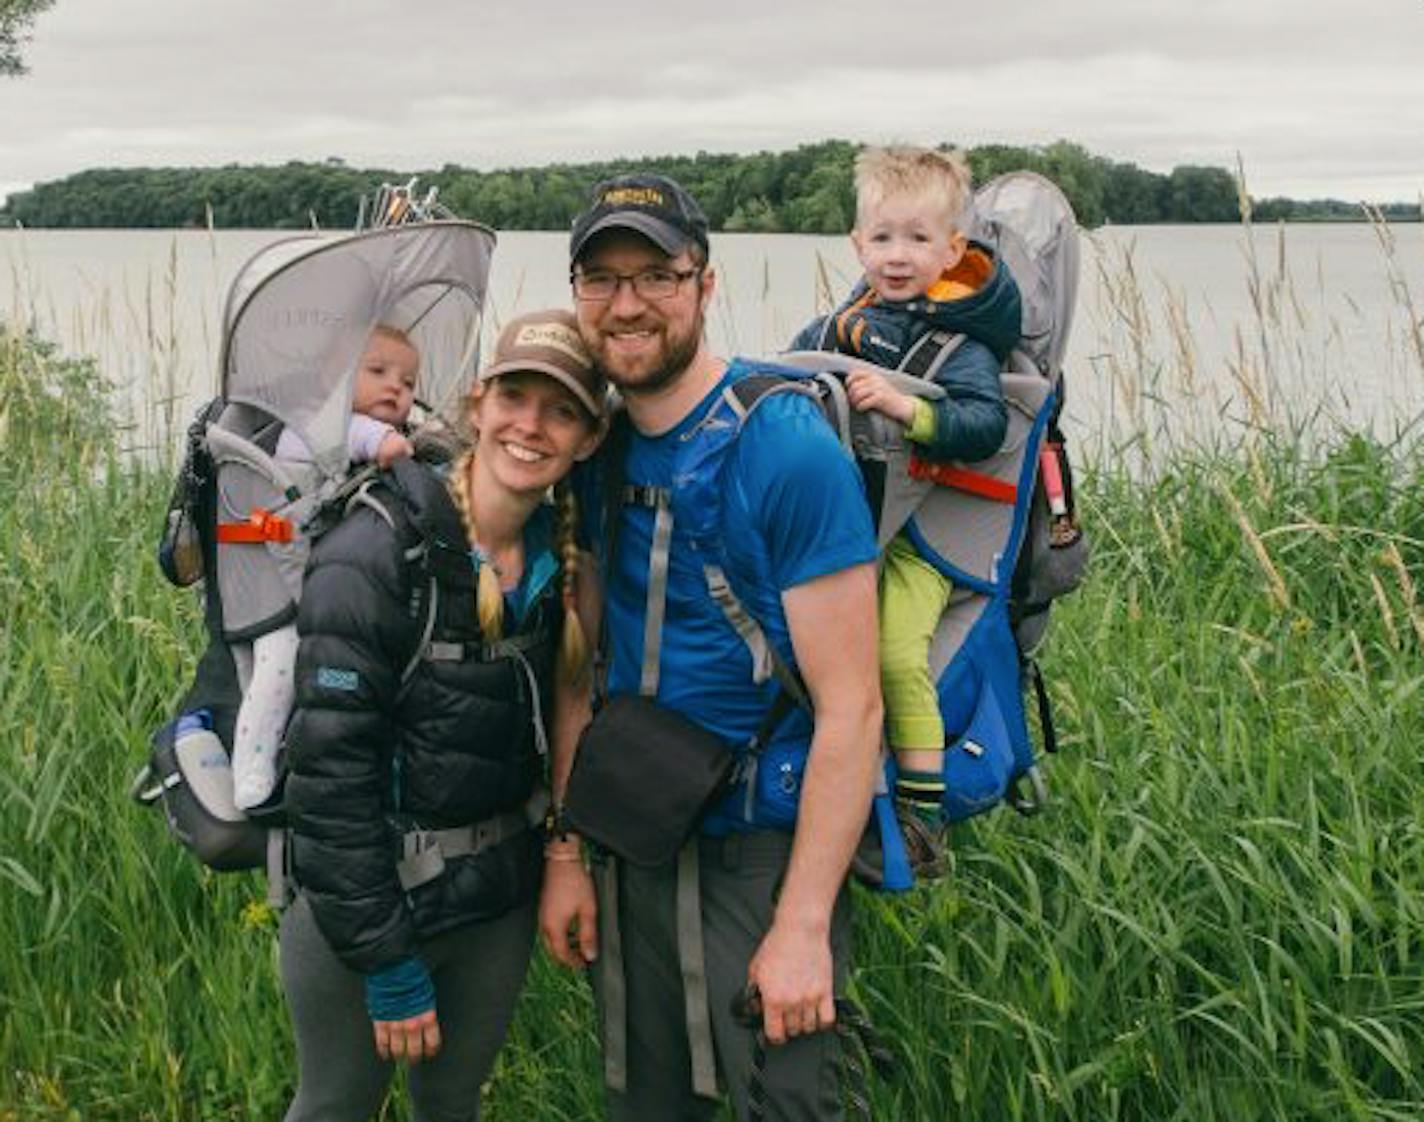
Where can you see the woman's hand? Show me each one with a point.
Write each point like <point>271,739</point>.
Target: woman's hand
<point>568,909</point>
<point>400,1000</point>
<point>413,1039</point>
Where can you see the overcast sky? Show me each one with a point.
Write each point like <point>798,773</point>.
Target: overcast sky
<point>1317,98</point>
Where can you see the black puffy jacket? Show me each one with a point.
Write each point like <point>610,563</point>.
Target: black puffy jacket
<point>370,756</point>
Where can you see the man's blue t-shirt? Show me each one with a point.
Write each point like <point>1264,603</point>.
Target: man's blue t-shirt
<point>794,509</point>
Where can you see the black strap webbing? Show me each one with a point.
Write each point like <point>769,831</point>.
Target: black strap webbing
<point>1045,709</point>
<point>616,494</point>
<point>929,353</point>
<point>751,389</point>
<point>610,478</point>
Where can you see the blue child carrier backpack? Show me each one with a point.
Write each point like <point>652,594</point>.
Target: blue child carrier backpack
<point>1004,529</point>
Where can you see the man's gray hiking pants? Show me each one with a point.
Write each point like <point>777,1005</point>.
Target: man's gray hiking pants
<point>738,879</point>
<point>478,970</point>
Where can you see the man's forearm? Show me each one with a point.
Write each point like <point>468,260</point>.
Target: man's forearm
<point>835,805</point>
<point>833,630</point>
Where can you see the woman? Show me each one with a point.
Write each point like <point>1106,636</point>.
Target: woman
<point>416,746</point>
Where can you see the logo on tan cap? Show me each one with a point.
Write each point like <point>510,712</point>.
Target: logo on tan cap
<point>556,336</point>
<point>548,342</point>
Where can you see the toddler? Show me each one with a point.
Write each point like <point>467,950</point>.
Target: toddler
<point>380,403</point>
<point>922,276</point>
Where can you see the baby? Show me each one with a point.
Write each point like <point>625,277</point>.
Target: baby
<point>922,275</point>
<point>380,403</point>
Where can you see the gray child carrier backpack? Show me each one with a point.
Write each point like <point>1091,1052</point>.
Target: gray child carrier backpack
<point>296,322</point>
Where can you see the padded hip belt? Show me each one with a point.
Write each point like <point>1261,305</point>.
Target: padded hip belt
<point>424,852</point>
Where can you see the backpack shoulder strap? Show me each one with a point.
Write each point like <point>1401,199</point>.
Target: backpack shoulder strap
<point>610,499</point>
<point>416,548</point>
<point>427,558</point>
<point>718,434</point>
<point>698,489</point>
<point>929,353</point>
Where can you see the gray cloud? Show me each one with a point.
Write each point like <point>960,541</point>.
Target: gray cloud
<point>1315,100</point>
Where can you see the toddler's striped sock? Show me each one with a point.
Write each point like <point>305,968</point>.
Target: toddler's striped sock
<point>921,793</point>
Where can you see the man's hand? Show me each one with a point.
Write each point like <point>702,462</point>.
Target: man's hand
<point>791,970</point>
<point>867,390</point>
<point>413,1039</point>
<point>568,911</point>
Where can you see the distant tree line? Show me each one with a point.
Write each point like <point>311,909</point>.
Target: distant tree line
<point>807,190</point>
<point>1278,209</point>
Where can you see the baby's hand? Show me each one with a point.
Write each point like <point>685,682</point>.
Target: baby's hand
<point>867,390</point>
<point>392,447</point>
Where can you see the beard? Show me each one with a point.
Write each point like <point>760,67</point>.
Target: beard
<point>648,376</point>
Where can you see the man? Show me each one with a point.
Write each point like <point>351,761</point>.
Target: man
<point>769,875</point>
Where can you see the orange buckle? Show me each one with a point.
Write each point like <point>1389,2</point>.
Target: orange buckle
<point>261,526</point>
<point>962,479</point>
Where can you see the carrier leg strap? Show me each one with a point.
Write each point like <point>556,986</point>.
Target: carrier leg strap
<point>614,983</point>
<point>692,962</point>
<point>765,660</point>
<point>746,627</point>
<point>691,957</point>
<point>657,597</point>
<point>277,868</point>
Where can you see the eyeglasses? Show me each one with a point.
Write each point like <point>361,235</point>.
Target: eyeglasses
<point>598,286</point>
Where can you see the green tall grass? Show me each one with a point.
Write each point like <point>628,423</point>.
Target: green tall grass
<point>1220,917</point>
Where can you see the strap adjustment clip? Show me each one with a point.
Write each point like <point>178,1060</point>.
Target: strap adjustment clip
<point>261,526</point>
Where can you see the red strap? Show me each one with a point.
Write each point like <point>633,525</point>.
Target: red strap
<point>962,479</point>
<point>261,526</point>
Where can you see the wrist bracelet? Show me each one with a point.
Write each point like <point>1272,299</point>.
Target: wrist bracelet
<point>554,826</point>
<point>552,854</point>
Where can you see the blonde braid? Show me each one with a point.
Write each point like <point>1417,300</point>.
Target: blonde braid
<point>573,645</point>
<point>489,600</point>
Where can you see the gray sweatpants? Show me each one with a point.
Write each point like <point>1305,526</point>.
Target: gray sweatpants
<point>740,877</point>
<point>478,970</point>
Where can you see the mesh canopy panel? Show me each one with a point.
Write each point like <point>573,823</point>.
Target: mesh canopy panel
<point>299,314</point>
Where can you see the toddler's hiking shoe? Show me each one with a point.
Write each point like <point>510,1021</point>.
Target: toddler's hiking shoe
<point>925,845</point>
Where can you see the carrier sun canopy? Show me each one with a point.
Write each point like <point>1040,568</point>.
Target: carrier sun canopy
<point>299,313</point>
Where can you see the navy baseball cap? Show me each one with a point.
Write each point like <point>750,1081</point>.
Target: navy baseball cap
<point>652,205</point>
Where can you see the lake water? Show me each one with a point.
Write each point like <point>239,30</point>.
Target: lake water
<point>1182,333</point>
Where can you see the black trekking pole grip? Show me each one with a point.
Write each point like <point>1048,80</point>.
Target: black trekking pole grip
<point>746,1006</point>
<point>747,1012</point>
<point>857,1036</point>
